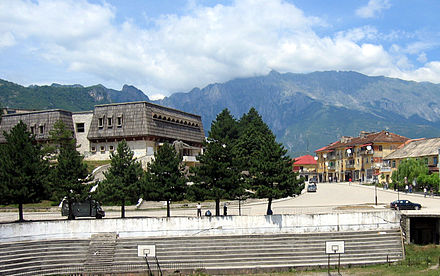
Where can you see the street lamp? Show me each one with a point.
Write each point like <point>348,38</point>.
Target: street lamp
<point>325,165</point>
<point>375,191</point>
<point>316,168</point>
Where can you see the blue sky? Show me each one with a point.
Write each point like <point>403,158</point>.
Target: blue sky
<point>166,46</point>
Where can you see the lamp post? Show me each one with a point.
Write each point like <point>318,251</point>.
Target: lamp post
<point>375,191</point>
<point>316,168</point>
<point>325,165</point>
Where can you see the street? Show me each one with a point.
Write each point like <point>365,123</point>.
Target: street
<point>330,197</point>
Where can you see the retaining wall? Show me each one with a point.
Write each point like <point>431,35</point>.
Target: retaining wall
<point>192,226</point>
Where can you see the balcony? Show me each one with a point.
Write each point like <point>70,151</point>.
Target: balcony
<point>385,169</point>
<point>349,165</point>
<point>366,152</point>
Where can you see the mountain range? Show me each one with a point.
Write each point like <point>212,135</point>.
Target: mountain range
<point>305,111</point>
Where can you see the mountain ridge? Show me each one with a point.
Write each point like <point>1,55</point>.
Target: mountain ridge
<point>305,111</point>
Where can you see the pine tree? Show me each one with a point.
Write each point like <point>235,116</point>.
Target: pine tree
<point>217,177</point>
<point>23,169</point>
<point>164,179</point>
<point>70,172</point>
<point>269,169</point>
<point>122,183</point>
<point>59,136</point>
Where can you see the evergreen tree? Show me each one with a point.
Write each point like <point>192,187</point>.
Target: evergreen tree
<point>60,136</point>
<point>122,183</point>
<point>269,169</point>
<point>70,172</point>
<point>164,179</point>
<point>217,177</point>
<point>23,169</point>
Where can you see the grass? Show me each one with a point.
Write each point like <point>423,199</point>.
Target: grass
<point>91,165</point>
<point>40,205</point>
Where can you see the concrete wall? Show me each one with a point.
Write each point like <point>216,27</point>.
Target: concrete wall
<point>191,226</point>
<point>81,137</point>
<point>138,147</point>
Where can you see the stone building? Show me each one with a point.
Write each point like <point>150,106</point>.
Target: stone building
<point>145,127</point>
<point>39,123</point>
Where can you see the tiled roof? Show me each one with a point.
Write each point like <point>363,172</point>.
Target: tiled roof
<point>305,160</point>
<point>417,148</point>
<point>377,137</point>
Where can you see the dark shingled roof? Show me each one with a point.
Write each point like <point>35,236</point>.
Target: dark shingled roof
<point>144,119</point>
<point>35,119</point>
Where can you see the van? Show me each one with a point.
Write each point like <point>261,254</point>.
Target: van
<point>87,208</point>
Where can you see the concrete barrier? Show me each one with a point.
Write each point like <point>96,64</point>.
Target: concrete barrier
<point>192,226</point>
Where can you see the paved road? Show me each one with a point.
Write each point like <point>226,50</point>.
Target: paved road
<point>330,197</point>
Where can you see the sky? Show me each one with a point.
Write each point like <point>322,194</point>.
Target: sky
<point>168,46</point>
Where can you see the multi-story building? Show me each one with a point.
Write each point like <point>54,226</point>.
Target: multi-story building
<point>422,149</point>
<point>356,158</point>
<point>145,127</point>
<point>306,166</point>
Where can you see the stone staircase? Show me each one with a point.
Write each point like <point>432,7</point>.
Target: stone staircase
<point>100,256</point>
<point>219,254</point>
<point>46,257</point>
<point>106,253</point>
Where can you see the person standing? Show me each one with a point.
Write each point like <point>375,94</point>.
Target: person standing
<point>199,210</point>
<point>425,191</point>
<point>225,209</point>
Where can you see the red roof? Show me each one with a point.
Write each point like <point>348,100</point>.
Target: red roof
<point>305,160</point>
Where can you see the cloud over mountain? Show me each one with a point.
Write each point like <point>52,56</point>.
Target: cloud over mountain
<point>205,44</point>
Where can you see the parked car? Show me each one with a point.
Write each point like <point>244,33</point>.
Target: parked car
<point>312,187</point>
<point>404,205</point>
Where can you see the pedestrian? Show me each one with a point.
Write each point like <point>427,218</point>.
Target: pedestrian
<point>225,209</point>
<point>406,189</point>
<point>410,188</point>
<point>199,210</point>
<point>425,191</point>
<point>431,192</point>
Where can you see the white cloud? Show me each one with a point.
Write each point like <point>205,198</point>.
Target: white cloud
<point>6,39</point>
<point>373,8</point>
<point>206,45</point>
<point>422,58</point>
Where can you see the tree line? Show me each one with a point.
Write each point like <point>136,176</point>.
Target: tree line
<point>240,159</point>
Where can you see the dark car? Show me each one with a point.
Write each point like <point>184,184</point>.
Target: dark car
<point>312,187</point>
<point>404,205</point>
<point>87,208</point>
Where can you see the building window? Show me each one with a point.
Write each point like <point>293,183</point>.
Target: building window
<point>394,163</point>
<point>80,127</point>
<point>426,161</point>
<point>380,148</point>
<point>109,122</point>
<point>119,121</point>
<point>111,148</point>
<point>435,160</point>
<point>41,129</point>
<point>93,149</point>
<point>33,129</point>
<point>102,149</point>
<point>101,122</point>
